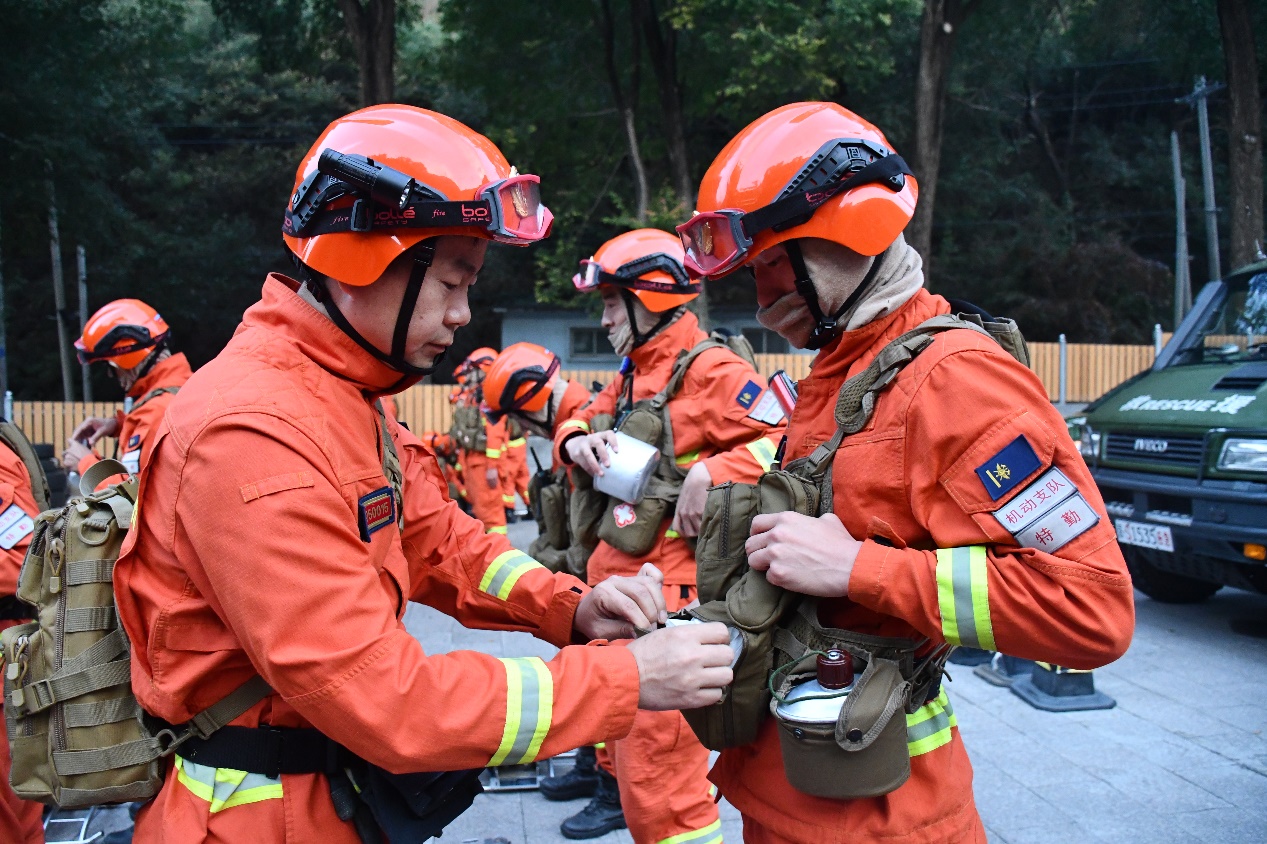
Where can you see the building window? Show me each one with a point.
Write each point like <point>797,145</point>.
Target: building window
<point>766,342</point>
<point>590,342</point>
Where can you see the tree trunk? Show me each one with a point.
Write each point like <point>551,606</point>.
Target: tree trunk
<point>662,49</point>
<point>371,25</point>
<point>1245,132</point>
<point>938,31</point>
<point>626,106</point>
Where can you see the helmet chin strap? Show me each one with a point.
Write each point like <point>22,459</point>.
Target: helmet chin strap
<point>422,255</point>
<point>639,338</point>
<point>825,327</point>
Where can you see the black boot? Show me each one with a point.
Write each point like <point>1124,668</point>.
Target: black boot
<point>601,816</point>
<point>581,781</point>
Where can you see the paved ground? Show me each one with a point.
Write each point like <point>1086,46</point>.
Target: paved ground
<point>1182,758</point>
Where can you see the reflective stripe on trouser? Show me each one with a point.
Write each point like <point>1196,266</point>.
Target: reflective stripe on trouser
<point>710,834</point>
<point>928,727</point>
<point>762,451</point>
<point>504,572</point>
<point>963,594</point>
<point>529,710</point>
<point>225,788</point>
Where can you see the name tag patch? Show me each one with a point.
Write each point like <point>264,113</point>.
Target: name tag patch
<point>1047,514</point>
<point>767,410</point>
<point>1004,471</point>
<point>377,511</point>
<point>748,394</point>
<point>15,525</point>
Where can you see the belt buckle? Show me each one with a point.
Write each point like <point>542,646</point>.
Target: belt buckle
<point>274,743</point>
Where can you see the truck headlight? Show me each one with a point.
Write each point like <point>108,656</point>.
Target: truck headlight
<point>1088,440</point>
<point>1243,455</point>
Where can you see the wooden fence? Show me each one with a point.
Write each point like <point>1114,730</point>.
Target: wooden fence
<point>1091,370</point>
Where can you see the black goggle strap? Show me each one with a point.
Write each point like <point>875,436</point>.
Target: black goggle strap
<point>824,326</point>
<point>890,171</point>
<point>105,349</point>
<point>534,375</point>
<point>366,215</point>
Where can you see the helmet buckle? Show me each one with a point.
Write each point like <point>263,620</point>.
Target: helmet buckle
<point>362,220</point>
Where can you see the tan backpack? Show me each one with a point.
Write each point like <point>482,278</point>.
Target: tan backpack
<point>12,436</point>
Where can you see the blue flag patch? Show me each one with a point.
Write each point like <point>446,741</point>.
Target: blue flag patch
<point>1004,471</point>
<point>748,394</point>
<point>134,441</point>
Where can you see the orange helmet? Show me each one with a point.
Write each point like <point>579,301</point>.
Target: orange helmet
<point>519,380</point>
<point>645,262</point>
<point>124,332</point>
<point>380,180</point>
<point>803,170</point>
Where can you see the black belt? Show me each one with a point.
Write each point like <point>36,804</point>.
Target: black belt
<point>271,751</point>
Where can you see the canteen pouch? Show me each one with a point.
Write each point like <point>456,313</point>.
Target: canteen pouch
<point>588,505</point>
<point>550,503</point>
<point>720,558</point>
<point>735,719</point>
<point>633,529</point>
<point>863,753</point>
<point>644,424</point>
<point>555,559</point>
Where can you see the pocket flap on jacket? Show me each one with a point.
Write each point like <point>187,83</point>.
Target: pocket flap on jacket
<point>277,483</point>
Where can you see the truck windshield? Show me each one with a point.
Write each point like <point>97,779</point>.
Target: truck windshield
<point>1233,329</point>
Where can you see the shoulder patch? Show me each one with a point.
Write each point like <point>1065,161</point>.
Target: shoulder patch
<point>376,511</point>
<point>134,441</point>
<point>748,394</point>
<point>1004,471</point>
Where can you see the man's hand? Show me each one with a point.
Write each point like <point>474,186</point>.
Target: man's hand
<point>803,554</point>
<point>490,478</point>
<point>691,500</point>
<point>75,451</point>
<point>683,667</point>
<point>590,451</point>
<point>618,605</point>
<point>94,428</point>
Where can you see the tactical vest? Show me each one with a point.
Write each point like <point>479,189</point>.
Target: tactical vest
<point>11,435</point>
<point>468,428</point>
<point>864,753</point>
<point>153,394</point>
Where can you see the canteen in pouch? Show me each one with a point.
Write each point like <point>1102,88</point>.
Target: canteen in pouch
<point>633,462</point>
<point>635,528</point>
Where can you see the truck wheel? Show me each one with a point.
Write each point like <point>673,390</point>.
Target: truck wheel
<point>1164,586</point>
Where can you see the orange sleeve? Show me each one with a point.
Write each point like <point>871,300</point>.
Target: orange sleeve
<point>289,574</point>
<point>476,577</point>
<point>1072,604</point>
<point>724,393</point>
<point>579,422</point>
<point>15,490</point>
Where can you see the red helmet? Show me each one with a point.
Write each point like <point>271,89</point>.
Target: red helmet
<point>803,170</point>
<point>124,332</point>
<point>519,380</point>
<point>647,263</point>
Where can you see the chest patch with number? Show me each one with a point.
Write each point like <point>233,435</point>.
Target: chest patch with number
<point>15,525</point>
<point>377,510</point>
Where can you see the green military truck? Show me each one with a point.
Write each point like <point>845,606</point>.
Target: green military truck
<point>1180,450</point>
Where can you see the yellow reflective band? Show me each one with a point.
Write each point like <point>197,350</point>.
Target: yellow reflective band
<point>225,788</point>
<point>706,835</point>
<point>457,467</point>
<point>928,727</point>
<point>504,572</point>
<point>529,709</point>
<point>686,459</point>
<point>575,423</point>
<point>519,443</point>
<point>492,453</point>
<point>762,451</point>
<point>508,499</point>
<point>602,745</point>
<point>497,529</point>
<point>672,534</point>
<point>963,595</point>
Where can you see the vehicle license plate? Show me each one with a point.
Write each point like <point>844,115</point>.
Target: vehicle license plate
<point>1157,537</point>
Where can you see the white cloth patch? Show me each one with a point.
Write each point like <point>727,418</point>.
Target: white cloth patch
<point>15,525</point>
<point>1048,513</point>
<point>132,459</point>
<point>1059,527</point>
<point>767,409</point>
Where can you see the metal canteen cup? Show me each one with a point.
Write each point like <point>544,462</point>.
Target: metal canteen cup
<point>630,470</point>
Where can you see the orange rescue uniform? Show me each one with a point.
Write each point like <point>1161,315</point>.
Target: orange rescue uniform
<point>937,564</point>
<point>515,473</point>
<point>250,555</point>
<point>21,821</point>
<point>138,427</point>
<point>487,503</point>
<point>661,767</point>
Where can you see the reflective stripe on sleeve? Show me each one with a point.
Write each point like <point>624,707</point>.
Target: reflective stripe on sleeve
<point>686,459</point>
<point>963,596</point>
<point>762,451</point>
<point>225,788</point>
<point>575,423</point>
<point>497,529</point>
<point>492,453</point>
<point>519,443</point>
<point>504,572</point>
<point>928,727</point>
<point>672,534</point>
<point>508,500</point>
<point>710,834</point>
<point>529,708</point>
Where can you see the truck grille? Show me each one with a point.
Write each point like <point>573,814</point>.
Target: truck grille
<point>1163,450</point>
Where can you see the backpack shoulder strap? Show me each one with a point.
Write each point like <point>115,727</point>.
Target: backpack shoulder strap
<point>685,358</point>
<point>153,394</point>
<point>391,463</point>
<point>13,437</point>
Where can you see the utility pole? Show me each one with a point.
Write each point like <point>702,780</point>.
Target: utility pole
<point>59,288</point>
<point>1183,287</point>
<point>1200,94</point>
<point>82,261</point>
<point>4,346</point>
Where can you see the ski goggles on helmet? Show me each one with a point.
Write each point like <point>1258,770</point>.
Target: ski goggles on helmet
<point>592,275</point>
<point>716,242</point>
<point>510,400</point>
<point>509,209</point>
<point>136,337</point>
